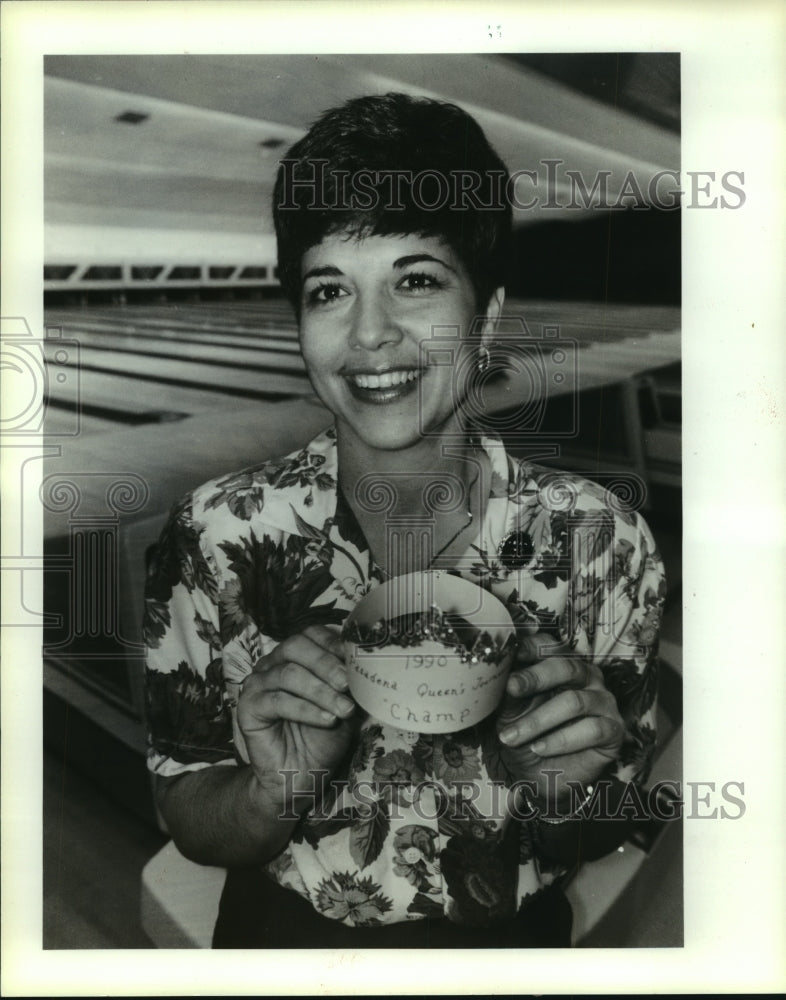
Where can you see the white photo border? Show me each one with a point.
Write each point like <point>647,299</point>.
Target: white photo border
<point>733,93</point>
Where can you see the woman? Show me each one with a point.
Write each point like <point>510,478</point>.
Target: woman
<point>259,751</point>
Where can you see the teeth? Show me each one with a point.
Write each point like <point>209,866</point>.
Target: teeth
<point>386,380</point>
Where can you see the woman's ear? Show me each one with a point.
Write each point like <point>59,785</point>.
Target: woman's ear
<point>493,313</point>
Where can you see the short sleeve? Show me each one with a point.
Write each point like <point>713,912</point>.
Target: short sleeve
<point>189,720</point>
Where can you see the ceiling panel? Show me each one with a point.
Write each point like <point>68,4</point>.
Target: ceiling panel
<point>198,152</point>
<point>79,125</point>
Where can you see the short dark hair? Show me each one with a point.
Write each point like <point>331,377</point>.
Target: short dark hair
<point>390,165</point>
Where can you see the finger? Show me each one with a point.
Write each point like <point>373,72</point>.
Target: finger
<point>297,680</point>
<point>303,649</point>
<point>548,674</point>
<point>512,708</point>
<point>327,638</point>
<point>557,711</point>
<point>265,708</point>
<point>527,627</point>
<point>536,646</point>
<point>598,733</point>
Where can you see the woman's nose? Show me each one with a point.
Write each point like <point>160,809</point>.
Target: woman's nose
<point>374,323</point>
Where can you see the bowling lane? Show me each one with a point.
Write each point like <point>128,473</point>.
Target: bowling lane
<point>155,362</point>
<point>224,355</point>
<point>196,325</point>
<point>123,400</point>
<point>219,375</point>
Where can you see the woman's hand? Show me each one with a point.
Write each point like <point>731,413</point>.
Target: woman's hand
<point>557,715</point>
<point>295,716</point>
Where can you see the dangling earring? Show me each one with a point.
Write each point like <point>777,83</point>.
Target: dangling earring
<point>484,359</point>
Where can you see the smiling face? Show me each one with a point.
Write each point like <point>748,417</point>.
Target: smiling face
<point>369,308</point>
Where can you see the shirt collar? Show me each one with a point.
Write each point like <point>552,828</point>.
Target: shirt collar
<point>305,495</point>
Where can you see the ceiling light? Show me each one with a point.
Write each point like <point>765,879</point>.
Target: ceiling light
<point>132,117</point>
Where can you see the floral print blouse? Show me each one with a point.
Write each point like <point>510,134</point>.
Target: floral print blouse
<point>414,825</point>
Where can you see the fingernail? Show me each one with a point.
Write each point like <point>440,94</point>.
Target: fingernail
<point>328,716</point>
<point>517,684</point>
<point>538,747</point>
<point>340,682</point>
<point>507,735</point>
<point>345,706</point>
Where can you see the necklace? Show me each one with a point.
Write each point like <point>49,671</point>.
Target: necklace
<point>463,527</point>
<point>448,543</point>
<point>376,569</point>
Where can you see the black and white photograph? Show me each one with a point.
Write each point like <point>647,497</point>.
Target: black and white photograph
<point>351,480</point>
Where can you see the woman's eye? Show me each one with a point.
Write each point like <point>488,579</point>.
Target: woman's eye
<point>324,293</point>
<point>419,282</point>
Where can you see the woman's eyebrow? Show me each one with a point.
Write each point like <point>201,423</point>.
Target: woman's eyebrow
<point>326,271</point>
<point>418,258</point>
